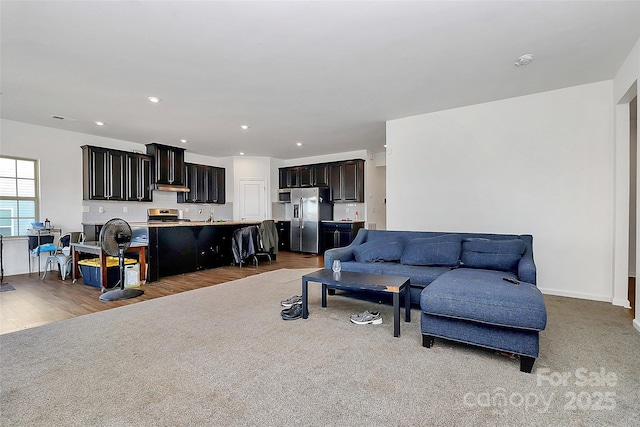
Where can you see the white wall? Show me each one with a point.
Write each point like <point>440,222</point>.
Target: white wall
<point>539,164</point>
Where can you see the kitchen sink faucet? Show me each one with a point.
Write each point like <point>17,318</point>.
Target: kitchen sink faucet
<point>206,205</point>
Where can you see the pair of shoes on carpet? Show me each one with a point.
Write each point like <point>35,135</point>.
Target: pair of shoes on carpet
<point>293,308</point>
<point>367,318</point>
<point>289,302</point>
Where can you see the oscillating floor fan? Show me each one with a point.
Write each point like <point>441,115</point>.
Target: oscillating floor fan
<point>115,239</point>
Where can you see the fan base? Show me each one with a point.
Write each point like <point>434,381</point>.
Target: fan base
<point>120,294</point>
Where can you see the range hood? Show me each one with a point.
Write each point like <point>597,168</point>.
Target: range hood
<point>169,187</point>
<point>168,164</point>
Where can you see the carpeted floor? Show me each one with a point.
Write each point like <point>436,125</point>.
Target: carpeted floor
<point>222,356</point>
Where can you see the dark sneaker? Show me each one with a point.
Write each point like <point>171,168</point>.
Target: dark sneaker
<point>367,318</point>
<point>296,299</point>
<point>292,313</point>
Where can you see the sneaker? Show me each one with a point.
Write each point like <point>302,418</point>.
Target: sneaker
<point>296,299</point>
<point>292,313</point>
<point>367,318</point>
<point>364,313</point>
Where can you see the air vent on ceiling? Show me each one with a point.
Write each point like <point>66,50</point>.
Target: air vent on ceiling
<point>63,118</point>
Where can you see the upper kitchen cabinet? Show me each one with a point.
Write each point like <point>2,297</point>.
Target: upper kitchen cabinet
<point>216,186</point>
<point>304,176</point>
<point>344,179</point>
<point>206,184</point>
<point>321,175</point>
<point>289,177</point>
<point>103,174</point>
<point>194,179</point>
<point>347,181</point>
<point>139,169</point>
<point>168,166</point>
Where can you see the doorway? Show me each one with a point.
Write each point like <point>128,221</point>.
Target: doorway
<point>253,196</point>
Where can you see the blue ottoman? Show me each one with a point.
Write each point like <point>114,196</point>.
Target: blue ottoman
<point>479,307</point>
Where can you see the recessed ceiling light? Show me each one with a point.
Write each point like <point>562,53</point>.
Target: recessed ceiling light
<point>244,127</point>
<point>299,144</point>
<point>100,123</point>
<point>242,153</point>
<point>154,99</point>
<point>385,145</point>
<point>524,60</point>
<point>184,141</point>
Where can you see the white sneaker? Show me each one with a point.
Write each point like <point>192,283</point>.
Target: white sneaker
<point>367,318</point>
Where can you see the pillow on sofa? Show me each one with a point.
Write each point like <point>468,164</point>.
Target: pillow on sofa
<point>441,251</point>
<point>378,250</point>
<point>501,255</point>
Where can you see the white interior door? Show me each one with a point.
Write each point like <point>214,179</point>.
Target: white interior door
<point>253,193</point>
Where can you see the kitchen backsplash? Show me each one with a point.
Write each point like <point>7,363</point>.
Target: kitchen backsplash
<point>340,211</point>
<point>137,212</point>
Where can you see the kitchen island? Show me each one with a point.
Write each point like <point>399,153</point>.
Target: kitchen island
<point>185,247</point>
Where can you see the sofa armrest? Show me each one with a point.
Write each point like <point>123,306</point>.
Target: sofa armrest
<point>527,269</point>
<point>342,254</point>
<point>346,253</point>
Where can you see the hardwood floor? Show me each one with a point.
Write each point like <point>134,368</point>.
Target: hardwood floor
<point>36,302</point>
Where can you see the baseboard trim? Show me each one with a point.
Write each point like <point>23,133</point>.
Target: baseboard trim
<point>579,295</point>
<point>636,324</point>
<point>622,302</point>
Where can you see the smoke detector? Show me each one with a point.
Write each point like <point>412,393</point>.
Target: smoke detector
<point>524,60</point>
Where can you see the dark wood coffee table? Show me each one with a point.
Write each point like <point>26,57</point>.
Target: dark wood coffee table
<point>353,281</point>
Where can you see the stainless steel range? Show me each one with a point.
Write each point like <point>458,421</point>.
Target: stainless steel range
<point>157,215</point>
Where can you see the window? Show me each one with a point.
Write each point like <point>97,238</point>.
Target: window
<point>18,195</point>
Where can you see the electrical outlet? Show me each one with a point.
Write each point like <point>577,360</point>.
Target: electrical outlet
<point>85,209</point>
<point>100,209</point>
<point>125,209</point>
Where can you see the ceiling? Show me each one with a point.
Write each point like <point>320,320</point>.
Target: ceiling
<point>324,74</point>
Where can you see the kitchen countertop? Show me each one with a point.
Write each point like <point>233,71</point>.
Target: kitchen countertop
<point>194,223</point>
<point>184,223</point>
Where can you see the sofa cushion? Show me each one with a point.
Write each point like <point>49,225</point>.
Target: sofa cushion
<point>502,255</point>
<point>419,275</point>
<point>443,251</point>
<point>379,250</point>
<point>483,296</point>
<point>362,267</point>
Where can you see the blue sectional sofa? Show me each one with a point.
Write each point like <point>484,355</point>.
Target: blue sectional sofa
<point>474,288</point>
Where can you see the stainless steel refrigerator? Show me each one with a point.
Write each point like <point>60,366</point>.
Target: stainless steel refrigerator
<point>310,206</point>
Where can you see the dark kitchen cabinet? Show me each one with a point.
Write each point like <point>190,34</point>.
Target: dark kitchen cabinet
<point>305,174</point>
<point>172,250</point>
<point>216,186</point>
<point>284,235</point>
<point>139,169</point>
<point>195,180</point>
<point>206,184</point>
<point>339,234</point>
<point>347,181</point>
<point>344,179</point>
<point>211,245</point>
<point>103,174</point>
<point>321,175</point>
<point>289,177</point>
<point>168,164</point>
<point>185,249</point>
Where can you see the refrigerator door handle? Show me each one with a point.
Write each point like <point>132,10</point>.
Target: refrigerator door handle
<point>301,213</point>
